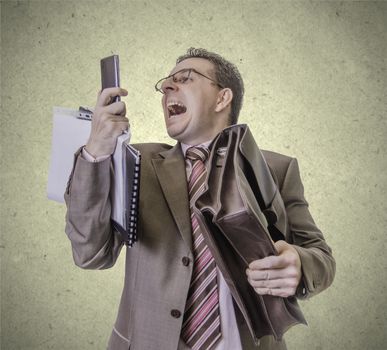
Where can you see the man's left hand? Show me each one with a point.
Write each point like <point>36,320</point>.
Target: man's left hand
<point>276,275</point>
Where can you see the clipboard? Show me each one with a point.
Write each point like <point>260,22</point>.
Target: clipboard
<point>71,129</point>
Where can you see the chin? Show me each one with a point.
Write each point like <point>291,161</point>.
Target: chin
<point>178,129</point>
<point>174,134</point>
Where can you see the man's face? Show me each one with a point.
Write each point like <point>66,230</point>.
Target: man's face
<point>189,108</point>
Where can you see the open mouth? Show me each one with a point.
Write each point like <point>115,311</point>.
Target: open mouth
<point>175,108</point>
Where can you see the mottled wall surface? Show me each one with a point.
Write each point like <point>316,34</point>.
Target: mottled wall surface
<point>315,76</point>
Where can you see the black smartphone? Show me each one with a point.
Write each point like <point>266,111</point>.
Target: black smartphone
<point>110,74</point>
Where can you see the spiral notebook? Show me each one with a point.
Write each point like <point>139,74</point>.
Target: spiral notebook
<point>71,129</point>
<point>125,197</point>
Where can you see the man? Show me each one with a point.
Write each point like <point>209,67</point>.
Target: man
<point>202,96</point>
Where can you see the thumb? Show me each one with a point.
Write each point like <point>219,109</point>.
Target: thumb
<point>280,246</point>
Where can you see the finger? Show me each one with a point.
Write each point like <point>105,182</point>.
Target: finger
<point>119,119</point>
<point>287,251</point>
<point>115,129</point>
<point>284,293</point>
<point>120,124</point>
<point>121,127</point>
<point>270,262</point>
<point>280,246</point>
<point>112,125</point>
<point>116,108</point>
<point>264,274</point>
<point>107,94</point>
<point>107,117</point>
<point>283,272</point>
<point>289,271</point>
<point>283,283</point>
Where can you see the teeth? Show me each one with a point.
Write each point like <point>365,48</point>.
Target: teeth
<point>172,103</point>
<point>175,108</point>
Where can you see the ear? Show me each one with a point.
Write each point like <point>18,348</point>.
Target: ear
<point>224,99</point>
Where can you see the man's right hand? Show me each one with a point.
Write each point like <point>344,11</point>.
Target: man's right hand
<point>107,123</point>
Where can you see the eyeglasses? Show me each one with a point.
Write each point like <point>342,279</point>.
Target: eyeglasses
<point>182,77</point>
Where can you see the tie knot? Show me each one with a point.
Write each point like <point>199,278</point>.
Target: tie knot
<point>197,153</point>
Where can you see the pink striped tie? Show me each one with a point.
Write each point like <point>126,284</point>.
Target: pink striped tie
<point>201,323</point>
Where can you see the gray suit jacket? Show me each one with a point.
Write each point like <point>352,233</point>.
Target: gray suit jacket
<point>157,276</point>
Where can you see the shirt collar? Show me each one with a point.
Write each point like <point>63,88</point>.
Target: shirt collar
<point>184,146</point>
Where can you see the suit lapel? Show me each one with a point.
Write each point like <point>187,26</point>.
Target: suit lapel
<point>171,173</point>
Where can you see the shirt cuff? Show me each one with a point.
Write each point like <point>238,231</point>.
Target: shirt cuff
<point>87,156</point>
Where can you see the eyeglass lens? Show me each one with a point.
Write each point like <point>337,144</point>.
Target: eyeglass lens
<point>179,77</point>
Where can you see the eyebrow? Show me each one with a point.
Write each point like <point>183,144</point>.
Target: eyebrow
<point>211,73</point>
<point>180,70</point>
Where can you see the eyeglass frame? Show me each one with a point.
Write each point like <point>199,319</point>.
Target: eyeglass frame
<point>189,74</point>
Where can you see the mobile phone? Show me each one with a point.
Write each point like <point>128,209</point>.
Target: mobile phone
<point>110,74</point>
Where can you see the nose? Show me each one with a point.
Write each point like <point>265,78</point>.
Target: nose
<point>168,85</point>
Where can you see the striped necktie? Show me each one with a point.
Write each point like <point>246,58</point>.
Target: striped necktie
<point>201,324</point>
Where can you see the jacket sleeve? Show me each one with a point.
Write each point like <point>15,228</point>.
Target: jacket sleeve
<point>94,244</point>
<point>317,263</point>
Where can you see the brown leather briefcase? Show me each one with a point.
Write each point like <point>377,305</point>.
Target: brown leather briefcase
<point>234,212</point>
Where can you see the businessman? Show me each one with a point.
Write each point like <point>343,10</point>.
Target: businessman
<point>175,296</point>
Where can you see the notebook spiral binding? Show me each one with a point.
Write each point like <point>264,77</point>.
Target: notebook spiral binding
<point>132,215</point>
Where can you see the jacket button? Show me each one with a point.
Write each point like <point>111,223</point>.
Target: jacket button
<point>185,261</point>
<point>175,313</point>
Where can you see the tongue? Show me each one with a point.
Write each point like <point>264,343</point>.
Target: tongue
<point>176,109</point>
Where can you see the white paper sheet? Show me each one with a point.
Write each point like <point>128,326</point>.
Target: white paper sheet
<point>68,134</point>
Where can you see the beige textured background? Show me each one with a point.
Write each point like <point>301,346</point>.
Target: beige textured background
<point>315,76</point>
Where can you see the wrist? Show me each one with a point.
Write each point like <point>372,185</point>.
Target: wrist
<point>90,158</point>
<point>97,150</point>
